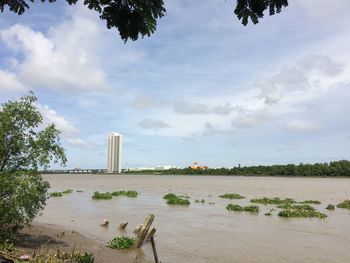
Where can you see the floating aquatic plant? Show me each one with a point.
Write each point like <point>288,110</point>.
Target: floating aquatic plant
<point>232,196</point>
<point>122,242</point>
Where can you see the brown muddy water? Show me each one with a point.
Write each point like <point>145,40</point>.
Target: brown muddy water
<point>208,232</point>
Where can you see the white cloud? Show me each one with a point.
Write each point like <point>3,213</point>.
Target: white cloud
<point>9,82</point>
<point>68,130</point>
<point>63,59</point>
<point>302,126</point>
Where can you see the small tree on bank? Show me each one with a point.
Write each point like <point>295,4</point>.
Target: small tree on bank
<point>24,147</point>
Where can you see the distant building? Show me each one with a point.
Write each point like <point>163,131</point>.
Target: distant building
<point>114,162</point>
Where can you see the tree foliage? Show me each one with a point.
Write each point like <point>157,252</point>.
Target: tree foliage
<point>332,169</point>
<point>134,18</point>
<point>24,147</point>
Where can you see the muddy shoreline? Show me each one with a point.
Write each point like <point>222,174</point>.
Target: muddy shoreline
<point>43,237</point>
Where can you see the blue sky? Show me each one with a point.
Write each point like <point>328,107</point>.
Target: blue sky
<point>203,88</point>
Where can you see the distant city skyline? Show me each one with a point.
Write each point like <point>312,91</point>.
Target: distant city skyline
<point>114,160</point>
<point>203,88</point>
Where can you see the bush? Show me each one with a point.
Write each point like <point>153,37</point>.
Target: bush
<point>345,204</point>
<point>122,242</point>
<point>232,196</point>
<point>173,199</point>
<point>102,196</point>
<point>22,196</point>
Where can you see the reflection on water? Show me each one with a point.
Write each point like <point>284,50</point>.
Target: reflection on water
<point>208,232</point>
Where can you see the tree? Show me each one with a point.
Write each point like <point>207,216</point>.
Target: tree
<point>134,18</point>
<point>24,148</point>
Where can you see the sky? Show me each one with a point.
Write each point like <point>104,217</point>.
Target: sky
<point>203,88</point>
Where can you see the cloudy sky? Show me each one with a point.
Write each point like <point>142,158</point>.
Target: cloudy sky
<point>202,89</point>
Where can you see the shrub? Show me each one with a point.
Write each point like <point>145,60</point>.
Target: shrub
<point>232,196</point>
<point>102,196</point>
<point>173,199</point>
<point>122,242</point>
<point>273,201</point>
<point>345,204</point>
<point>330,207</point>
<point>56,194</point>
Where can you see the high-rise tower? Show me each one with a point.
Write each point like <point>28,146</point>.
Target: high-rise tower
<point>114,162</point>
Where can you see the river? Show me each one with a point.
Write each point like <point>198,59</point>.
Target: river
<point>208,232</point>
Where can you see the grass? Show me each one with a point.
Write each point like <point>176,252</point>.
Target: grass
<point>330,207</point>
<point>132,194</point>
<point>273,201</point>
<point>173,199</point>
<point>56,194</point>
<point>102,196</point>
<point>122,242</point>
<point>314,202</point>
<point>301,213</point>
<point>345,204</point>
<point>232,196</point>
<point>238,208</point>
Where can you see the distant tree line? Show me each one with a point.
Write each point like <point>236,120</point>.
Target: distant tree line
<point>332,169</point>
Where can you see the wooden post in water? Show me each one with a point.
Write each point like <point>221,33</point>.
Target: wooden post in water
<point>154,250</point>
<point>150,234</point>
<point>144,231</point>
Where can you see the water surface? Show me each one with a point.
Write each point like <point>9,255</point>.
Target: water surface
<point>204,232</point>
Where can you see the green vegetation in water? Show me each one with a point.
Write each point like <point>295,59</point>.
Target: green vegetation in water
<point>345,204</point>
<point>86,258</point>
<point>269,213</point>
<point>238,208</point>
<point>314,202</point>
<point>305,207</point>
<point>301,213</point>
<point>132,194</point>
<point>273,201</point>
<point>185,196</point>
<point>173,199</point>
<point>56,194</point>
<point>211,203</point>
<point>68,191</point>
<point>202,201</point>
<point>232,196</point>
<point>79,191</point>
<point>122,242</point>
<point>102,196</point>
<point>330,207</point>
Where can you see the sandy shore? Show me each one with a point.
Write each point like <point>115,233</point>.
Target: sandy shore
<point>51,238</point>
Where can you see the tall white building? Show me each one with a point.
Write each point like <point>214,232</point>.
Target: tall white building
<point>114,162</point>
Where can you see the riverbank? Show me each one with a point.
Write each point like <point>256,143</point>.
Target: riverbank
<point>49,238</point>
